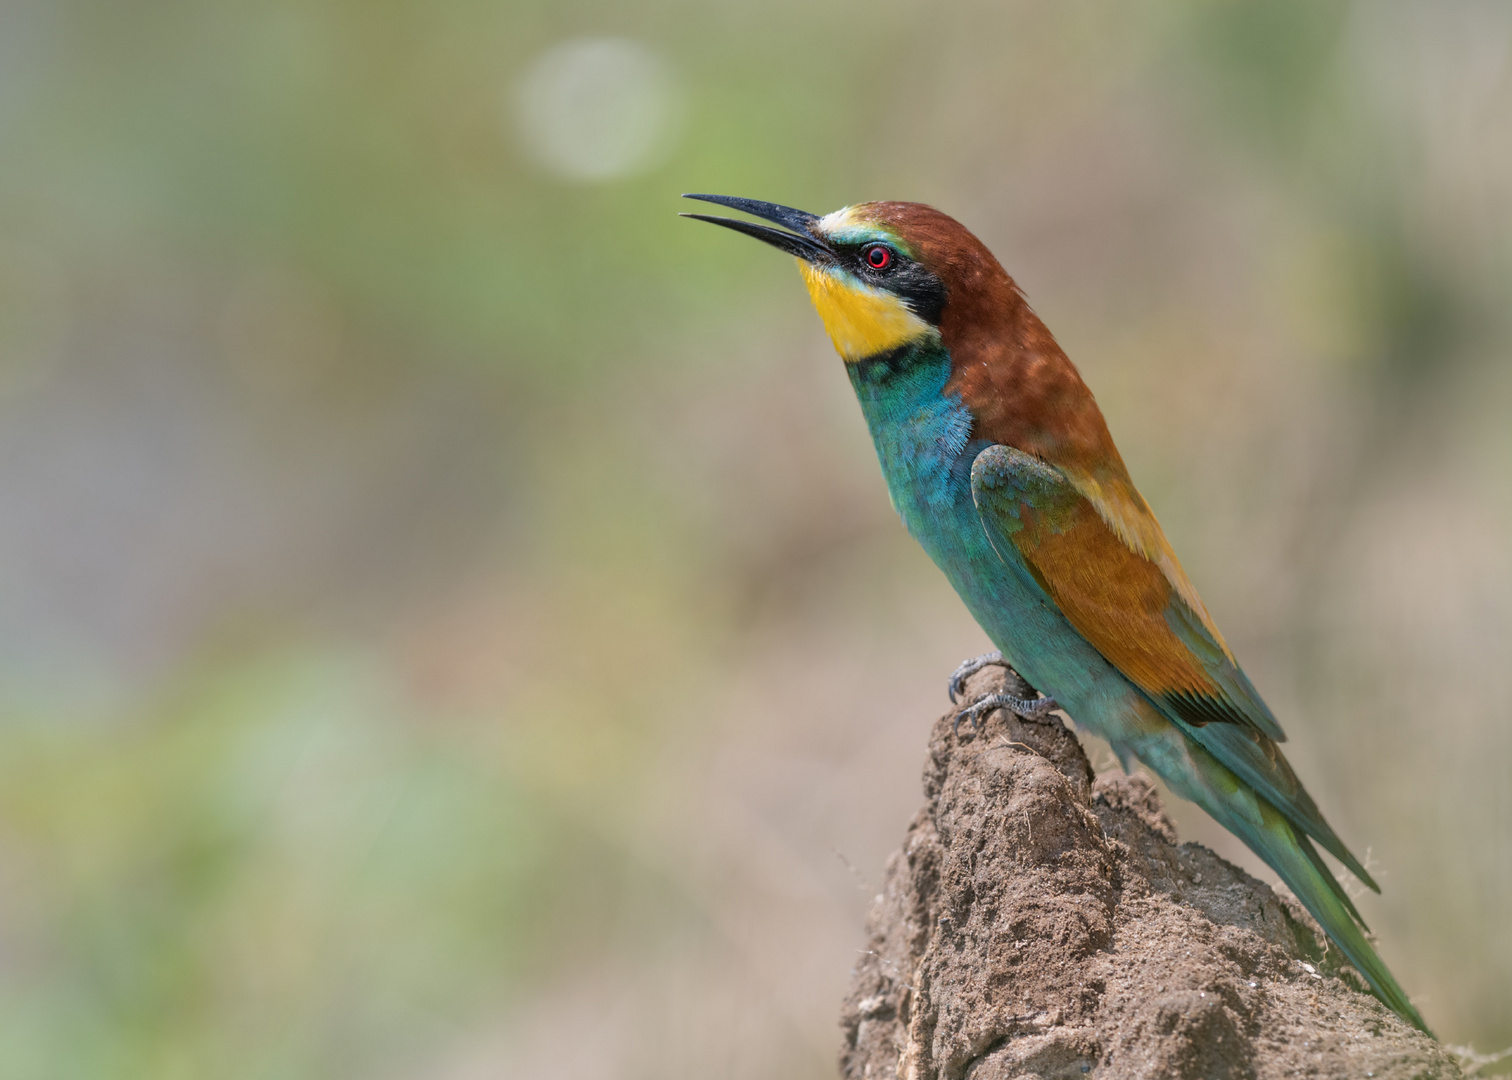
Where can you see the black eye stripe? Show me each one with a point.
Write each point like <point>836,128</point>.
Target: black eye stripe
<point>899,274</point>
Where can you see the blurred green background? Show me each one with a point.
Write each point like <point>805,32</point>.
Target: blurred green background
<point>451,621</point>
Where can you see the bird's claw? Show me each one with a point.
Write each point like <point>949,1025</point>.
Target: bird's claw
<point>1028,708</point>
<point>959,676</point>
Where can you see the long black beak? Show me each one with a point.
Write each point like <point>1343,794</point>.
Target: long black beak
<point>800,242</point>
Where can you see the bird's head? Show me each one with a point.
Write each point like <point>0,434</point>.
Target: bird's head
<point>883,275</point>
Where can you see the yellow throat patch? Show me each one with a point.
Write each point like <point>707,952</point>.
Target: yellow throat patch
<point>861,321</point>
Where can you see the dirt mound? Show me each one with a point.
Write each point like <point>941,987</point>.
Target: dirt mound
<point>1042,923</point>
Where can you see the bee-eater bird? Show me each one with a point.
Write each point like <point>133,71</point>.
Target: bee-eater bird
<point>1001,466</point>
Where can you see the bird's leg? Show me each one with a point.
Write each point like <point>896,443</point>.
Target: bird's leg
<point>959,676</point>
<point>1025,702</point>
<point>1027,708</point>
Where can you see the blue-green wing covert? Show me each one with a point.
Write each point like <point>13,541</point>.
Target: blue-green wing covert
<point>1041,526</point>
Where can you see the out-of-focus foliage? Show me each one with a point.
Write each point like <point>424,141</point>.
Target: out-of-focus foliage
<point>450,621</point>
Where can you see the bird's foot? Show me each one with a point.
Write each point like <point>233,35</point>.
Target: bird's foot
<point>1033,709</point>
<point>959,676</point>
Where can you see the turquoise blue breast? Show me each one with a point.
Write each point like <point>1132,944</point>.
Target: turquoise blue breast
<point>924,443</point>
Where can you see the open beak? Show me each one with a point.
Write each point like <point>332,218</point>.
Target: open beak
<point>801,241</point>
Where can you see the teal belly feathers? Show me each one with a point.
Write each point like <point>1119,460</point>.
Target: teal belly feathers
<point>923,441</point>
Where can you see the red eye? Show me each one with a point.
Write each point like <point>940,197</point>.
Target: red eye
<point>878,258</point>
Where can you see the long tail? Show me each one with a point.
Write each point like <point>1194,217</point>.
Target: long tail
<point>1211,785</point>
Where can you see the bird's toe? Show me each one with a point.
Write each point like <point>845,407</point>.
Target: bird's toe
<point>959,676</point>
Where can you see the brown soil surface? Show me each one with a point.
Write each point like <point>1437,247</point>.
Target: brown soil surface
<point>1040,922</point>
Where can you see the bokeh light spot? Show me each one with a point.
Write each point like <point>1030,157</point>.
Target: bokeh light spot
<point>596,109</point>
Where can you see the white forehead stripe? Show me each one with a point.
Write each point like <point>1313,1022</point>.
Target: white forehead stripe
<point>847,226</point>
<point>836,220</point>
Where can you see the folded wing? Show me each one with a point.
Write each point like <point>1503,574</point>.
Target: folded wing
<point>1129,609</point>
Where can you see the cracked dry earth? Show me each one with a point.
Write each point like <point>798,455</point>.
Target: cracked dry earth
<point>1040,922</point>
